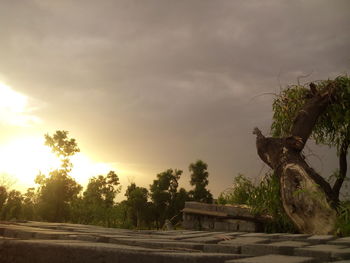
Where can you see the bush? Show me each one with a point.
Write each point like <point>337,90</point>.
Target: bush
<point>343,220</point>
<point>263,199</point>
<point>239,193</point>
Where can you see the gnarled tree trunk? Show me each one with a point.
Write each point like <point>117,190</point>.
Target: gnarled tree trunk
<point>307,198</point>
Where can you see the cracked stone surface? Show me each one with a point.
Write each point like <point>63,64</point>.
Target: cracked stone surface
<point>29,242</point>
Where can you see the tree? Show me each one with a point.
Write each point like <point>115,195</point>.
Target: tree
<point>332,128</point>
<point>3,196</point>
<point>63,147</point>
<point>164,193</point>
<point>56,192</point>
<point>322,112</point>
<point>137,203</point>
<point>199,179</point>
<point>28,206</point>
<point>179,203</point>
<point>55,195</point>
<point>13,206</point>
<point>99,198</point>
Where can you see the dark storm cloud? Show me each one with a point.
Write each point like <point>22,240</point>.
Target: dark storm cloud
<point>166,82</point>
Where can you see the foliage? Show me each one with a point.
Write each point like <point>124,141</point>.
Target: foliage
<point>56,192</point>
<point>3,196</point>
<point>199,179</point>
<point>239,193</point>
<point>29,204</point>
<point>285,107</point>
<point>13,206</point>
<point>120,213</point>
<point>99,198</point>
<point>136,203</point>
<point>263,199</point>
<point>55,195</point>
<point>332,127</point>
<point>163,193</point>
<point>179,203</point>
<point>63,147</point>
<point>343,219</point>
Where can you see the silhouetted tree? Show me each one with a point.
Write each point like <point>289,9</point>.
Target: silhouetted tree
<point>13,206</point>
<point>199,179</point>
<point>99,198</point>
<point>57,191</point>
<point>163,194</point>
<point>3,196</point>
<point>137,203</point>
<point>28,206</point>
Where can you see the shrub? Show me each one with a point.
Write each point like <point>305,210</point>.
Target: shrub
<point>343,220</point>
<point>263,199</point>
<point>239,193</point>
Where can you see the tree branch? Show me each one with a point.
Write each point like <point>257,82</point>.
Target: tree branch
<point>307,117</point>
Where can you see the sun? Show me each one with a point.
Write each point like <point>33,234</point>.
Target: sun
<point>24,158</point>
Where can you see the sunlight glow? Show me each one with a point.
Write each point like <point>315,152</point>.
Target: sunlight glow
<point>84,168</point>
<point>14,108</point>
<point>22,159</point>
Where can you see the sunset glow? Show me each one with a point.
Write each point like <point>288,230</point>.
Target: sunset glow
<point>14,108</point>
<point>23,158</point>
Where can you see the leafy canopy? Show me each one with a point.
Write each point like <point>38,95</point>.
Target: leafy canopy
<point>332,127</point>
<point>63,147</point>
<point>58,190</point>
<point>199,179</point>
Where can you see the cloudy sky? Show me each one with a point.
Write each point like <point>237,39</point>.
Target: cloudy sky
<point>154,84</point>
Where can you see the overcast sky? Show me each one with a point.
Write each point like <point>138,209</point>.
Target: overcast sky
<point>154,84</point>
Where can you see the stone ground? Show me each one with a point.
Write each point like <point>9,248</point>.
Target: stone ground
<point>38,242</point>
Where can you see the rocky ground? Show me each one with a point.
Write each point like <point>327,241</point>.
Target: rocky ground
<point>53,242</point>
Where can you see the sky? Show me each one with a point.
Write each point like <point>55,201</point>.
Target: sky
<point>148,85</point>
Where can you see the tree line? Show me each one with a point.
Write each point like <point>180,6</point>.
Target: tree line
<point>59,198</point>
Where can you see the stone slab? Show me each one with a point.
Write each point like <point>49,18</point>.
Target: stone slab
<point>273,259</point>
<point>320,239</point>
<point>57,251</point>
<point>294,236</point>
<point>324,252</point>
<point>24,242</point>
<point>199,234</point>
<point>341,241</point>
<point>263,235</point>
<point>282,247</point>
<point>170,245</point>
<point>194,257</point>
<point>246,240</point>
<point>207,240</point>
<point>219,248</point>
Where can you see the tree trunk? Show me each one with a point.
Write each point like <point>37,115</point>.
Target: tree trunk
<point>307,198</point>
<point>342,166</point>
